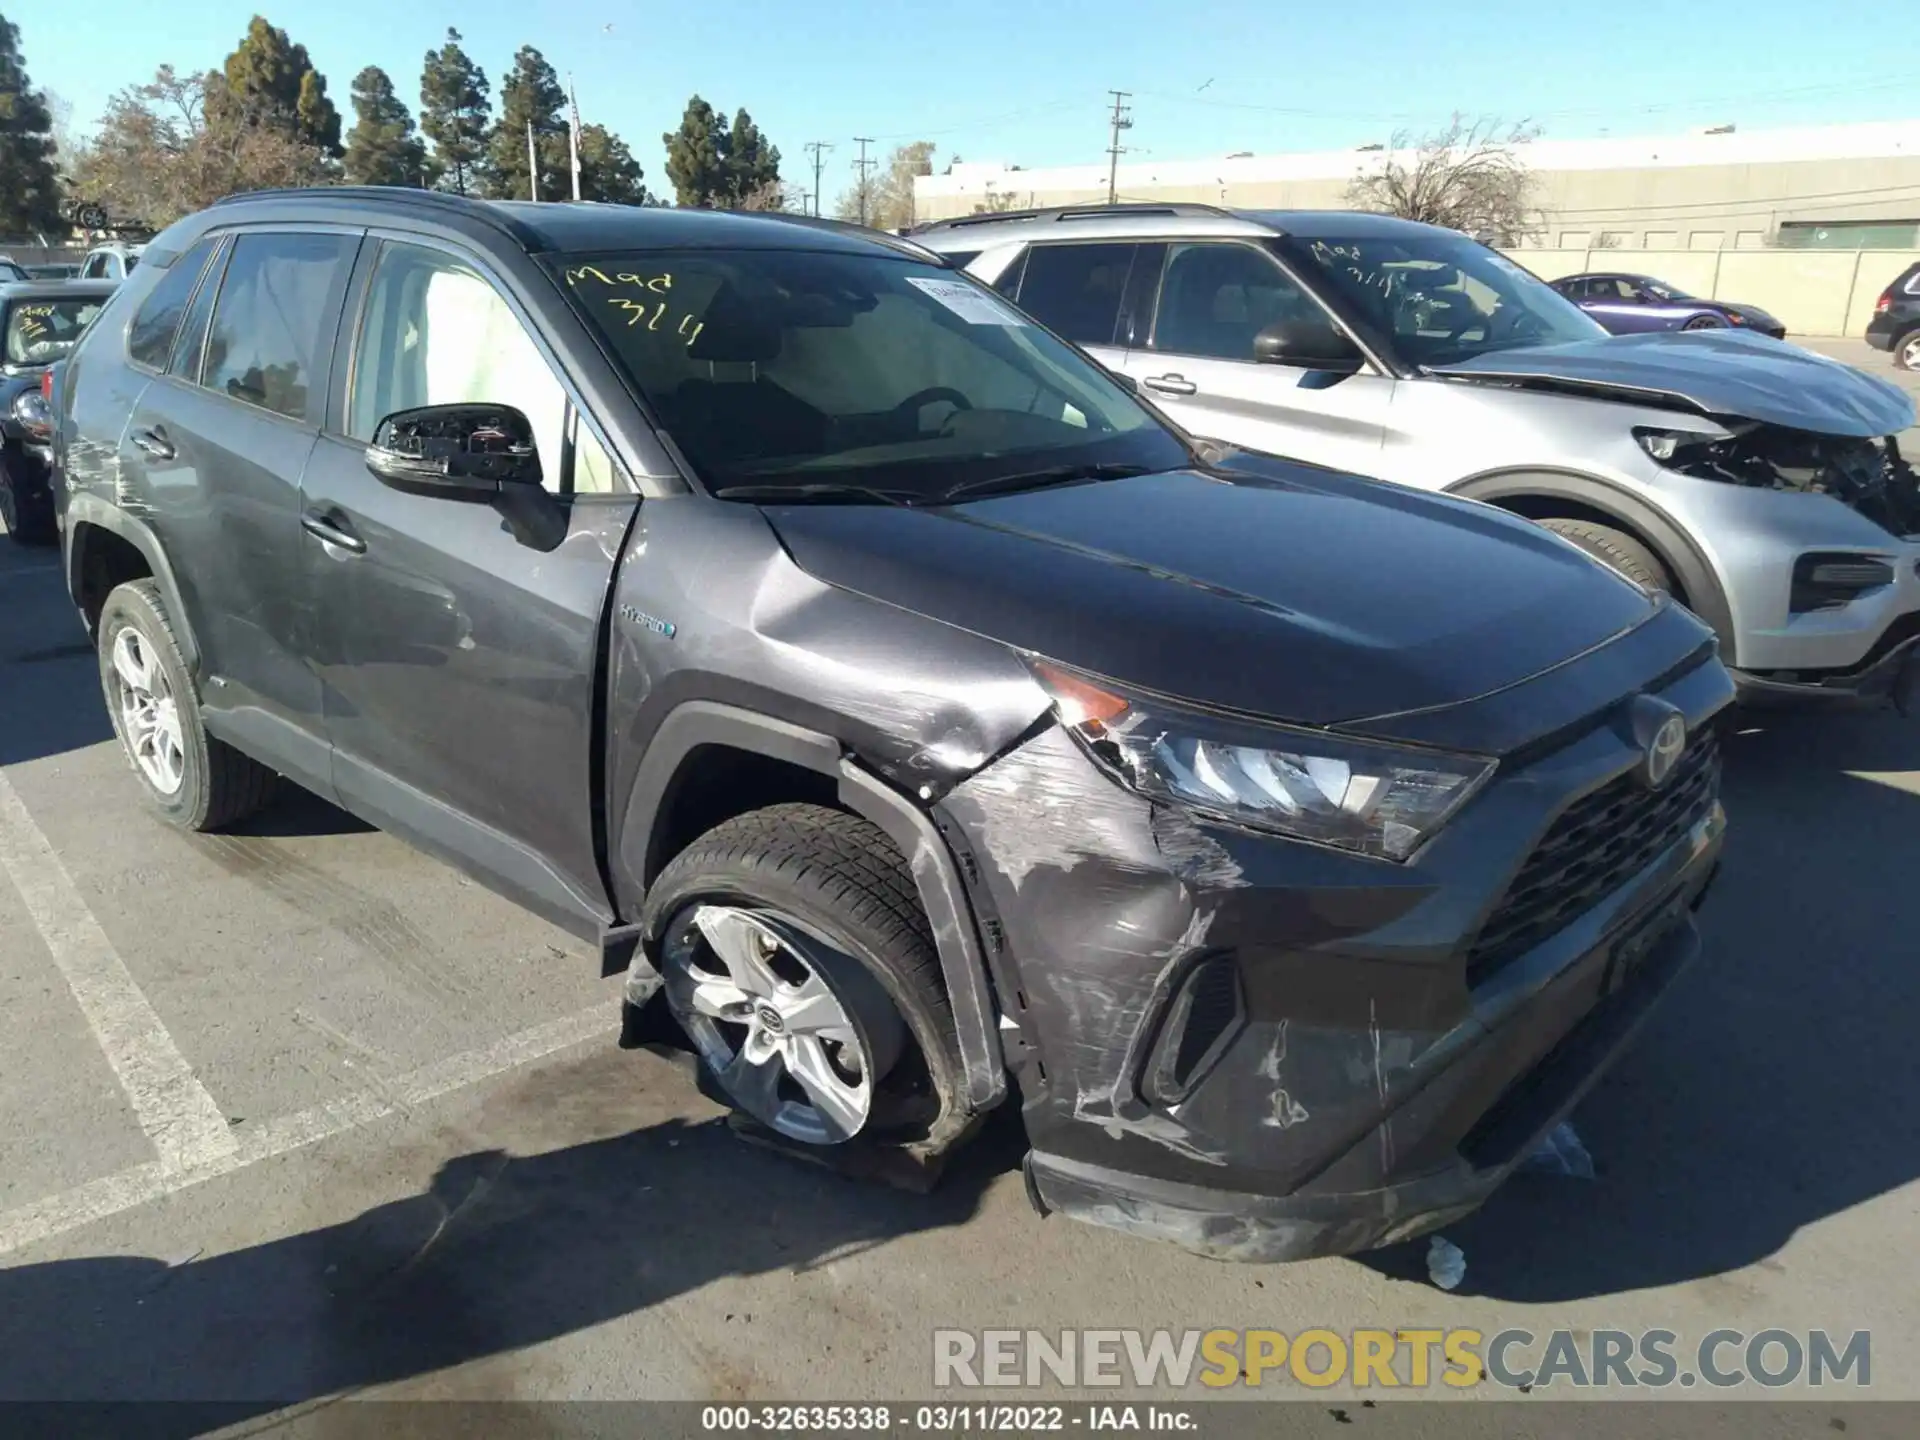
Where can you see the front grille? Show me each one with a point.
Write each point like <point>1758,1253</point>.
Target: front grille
<point>1594,847</point>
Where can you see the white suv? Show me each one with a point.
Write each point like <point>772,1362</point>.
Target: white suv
<point>1760,484</point>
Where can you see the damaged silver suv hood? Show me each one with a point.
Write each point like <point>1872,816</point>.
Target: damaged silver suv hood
<point>1714,372</point>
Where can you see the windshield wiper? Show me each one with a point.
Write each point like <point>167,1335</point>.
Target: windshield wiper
<point>1034,479</point>
<point>817,492</point>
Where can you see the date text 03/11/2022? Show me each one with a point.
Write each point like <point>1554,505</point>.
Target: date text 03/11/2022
<point>945,1419</point>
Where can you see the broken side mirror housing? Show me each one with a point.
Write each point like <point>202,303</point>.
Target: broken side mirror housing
<point>1310,344</point>
<point>471,452</point>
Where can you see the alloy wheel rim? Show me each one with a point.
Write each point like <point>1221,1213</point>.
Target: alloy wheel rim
<point>149,713</point>
<point>1910,352</point>
<point>749,988</point>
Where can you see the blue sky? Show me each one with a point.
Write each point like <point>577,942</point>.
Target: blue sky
<point>1025,80</point>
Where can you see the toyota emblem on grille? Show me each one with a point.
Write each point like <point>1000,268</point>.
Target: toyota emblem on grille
<point>1660,731</point>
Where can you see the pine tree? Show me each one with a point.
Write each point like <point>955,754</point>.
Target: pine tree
<point>608,170</point>
<point>382,148</point>
<point>530,95</point>
<point>455,114</point>
<point>270,83</point>
<point>697,155</point>
<point>29,182</point>
<point>753,162</point>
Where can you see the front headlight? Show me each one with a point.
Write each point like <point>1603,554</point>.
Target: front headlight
<point>1373,799</point>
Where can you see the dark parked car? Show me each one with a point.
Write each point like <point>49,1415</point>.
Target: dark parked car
<point>1628,304</point>
<point>39,323</point>
<point>900,702</point>
<point>1895,326</point>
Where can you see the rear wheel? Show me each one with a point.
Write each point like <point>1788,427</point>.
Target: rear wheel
<point>1618,549</point>
<point>1906,350</point>
<point>192,780</point>
<point>798,961</point>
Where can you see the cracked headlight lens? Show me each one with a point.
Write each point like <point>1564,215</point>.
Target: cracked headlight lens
<point>1358,795</point>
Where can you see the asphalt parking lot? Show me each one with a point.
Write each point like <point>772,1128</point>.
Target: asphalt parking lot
<point>296,1112</point>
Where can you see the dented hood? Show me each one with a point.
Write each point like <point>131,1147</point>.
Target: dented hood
<point>1285,591</point>
<point>1731,373</point>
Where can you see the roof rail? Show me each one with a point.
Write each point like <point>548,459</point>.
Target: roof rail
<point>888,238</point>
<point>399,196</point>
<point>1071,212</point>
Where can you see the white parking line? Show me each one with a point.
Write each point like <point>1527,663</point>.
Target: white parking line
<point>169,1102</point>
<point>142,1184</point>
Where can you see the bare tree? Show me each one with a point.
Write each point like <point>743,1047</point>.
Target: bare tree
<point>1471,177</point>
<point>156,157</point>
<point>889,201</point>
<point>770,195</point>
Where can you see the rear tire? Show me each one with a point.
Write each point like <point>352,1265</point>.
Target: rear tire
<point>189,778</point>
<point>27,516</point>
<point>1617,549</point>
<point>838,887</point>
<point>1906,351</point>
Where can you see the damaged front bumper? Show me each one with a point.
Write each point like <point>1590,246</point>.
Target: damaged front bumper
<point>1266,1050</point>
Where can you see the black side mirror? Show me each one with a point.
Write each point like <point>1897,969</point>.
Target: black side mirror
<point>468,452</point>
<point>1310,344</point>
<point>1125,382</point>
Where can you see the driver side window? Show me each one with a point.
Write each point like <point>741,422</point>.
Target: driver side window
<point>435,332</point>
<point>1215,298</point>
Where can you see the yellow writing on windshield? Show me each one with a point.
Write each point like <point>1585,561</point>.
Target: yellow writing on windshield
<point>659,284</point>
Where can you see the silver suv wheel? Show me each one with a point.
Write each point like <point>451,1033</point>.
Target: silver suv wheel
<point>149,713</point>
<point>757,995</point>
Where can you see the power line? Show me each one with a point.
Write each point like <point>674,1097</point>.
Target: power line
<point>863,164</point>
<point>1122,119</point>
<point>819,148</point>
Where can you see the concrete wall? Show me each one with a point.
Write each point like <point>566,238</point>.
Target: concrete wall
<point>1812,292</point>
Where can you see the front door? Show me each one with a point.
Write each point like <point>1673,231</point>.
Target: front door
<point>1198,365</point>
<point>458,642</point>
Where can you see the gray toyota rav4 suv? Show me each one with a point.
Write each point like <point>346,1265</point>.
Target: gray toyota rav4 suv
<point>913,715</point>
<point>1758,483</point>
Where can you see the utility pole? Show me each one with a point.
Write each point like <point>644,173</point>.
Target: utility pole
<point>863,164</point>
<point>818,147</point>
<point>1122,120</point>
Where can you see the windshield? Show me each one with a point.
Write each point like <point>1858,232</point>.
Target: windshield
<point>42,331</point>
<point>1443,297</point>
<point>799,373</point>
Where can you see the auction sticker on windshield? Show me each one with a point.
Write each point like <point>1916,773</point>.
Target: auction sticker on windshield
<point>974,306</point>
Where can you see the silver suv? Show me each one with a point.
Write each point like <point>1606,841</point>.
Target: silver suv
<point>1757,482</point>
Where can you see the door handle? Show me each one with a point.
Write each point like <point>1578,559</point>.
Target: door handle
<point>154,442</point>
<point>1170,384</point>
<point>330,532</point>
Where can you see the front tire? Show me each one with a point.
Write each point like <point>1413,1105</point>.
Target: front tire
<point>1617,549</point>
<point>799,962</point>
<point>1704,322</point>
<point>189,778</point>
<point>28,516</point>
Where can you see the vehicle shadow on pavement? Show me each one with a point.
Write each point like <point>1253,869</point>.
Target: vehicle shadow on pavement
<point>1774,1087</point>
<point>49,681</point>
<point>501,1252</point>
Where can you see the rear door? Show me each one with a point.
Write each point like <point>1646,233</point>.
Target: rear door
<point>458,646</point>
<point>1197,362</point>
<point>1080,292</point>
<point>218,443</point>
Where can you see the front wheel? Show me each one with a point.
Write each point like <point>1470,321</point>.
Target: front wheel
<point>26,511</point>
<point>798,961</point>
<point>193,780</point>
<point>1617,549</point>
<point>1703,322</point>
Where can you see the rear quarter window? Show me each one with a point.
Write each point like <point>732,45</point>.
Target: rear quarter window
<point>150,337</point>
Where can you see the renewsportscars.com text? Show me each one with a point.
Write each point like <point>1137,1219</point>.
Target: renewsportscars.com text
<point>1412,1358</point>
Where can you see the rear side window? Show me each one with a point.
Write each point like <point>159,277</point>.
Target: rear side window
<point>275,318</point>
<point>1075,290</point>
<point>190,346</point>
<point>150,338</point>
